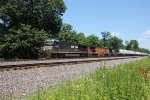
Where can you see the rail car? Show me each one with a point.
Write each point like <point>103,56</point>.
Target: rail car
<point>131,53</point>
<point>54,49</point>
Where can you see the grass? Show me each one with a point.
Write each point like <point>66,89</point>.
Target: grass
<point>124,82</point>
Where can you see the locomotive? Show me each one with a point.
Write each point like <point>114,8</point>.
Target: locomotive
<point>53,48</point>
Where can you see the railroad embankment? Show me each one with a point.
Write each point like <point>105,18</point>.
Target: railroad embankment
<point>126,81</point>
<point>18,83</point>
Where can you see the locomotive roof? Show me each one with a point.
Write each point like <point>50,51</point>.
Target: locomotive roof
<point>52,40</point>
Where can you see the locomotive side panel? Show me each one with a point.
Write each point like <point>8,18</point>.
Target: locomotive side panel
<point>102,51</point>
<point>68,49</point>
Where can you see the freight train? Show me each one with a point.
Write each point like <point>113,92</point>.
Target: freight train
<point>55,49</point>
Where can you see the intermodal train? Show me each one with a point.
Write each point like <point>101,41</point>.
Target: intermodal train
<point>55,49</point>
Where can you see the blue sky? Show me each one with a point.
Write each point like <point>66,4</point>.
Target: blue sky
<point>128,19</point>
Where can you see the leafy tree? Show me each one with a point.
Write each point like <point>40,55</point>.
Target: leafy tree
<point>66,28</point>
<point>68,37</point>
<point>128,46</point>
<point>24,24</point>
<point>22,42</point>
<point>81,38</point>
<point>93,41</point>
<point>40,14</point>
<point>105,37</point>
<point>144,50</point>
<point>133,45</point>
<point>68,34</point>
<point>115,43</point>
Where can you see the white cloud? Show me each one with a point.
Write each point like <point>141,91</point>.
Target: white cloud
<point>146,34</point>
<point>115,33</point>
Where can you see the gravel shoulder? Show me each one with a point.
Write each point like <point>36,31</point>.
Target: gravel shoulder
<point>21,82</point>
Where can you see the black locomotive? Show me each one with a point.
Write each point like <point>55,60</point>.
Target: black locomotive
<point>55,49</point>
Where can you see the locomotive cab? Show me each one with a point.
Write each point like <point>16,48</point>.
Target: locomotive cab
<point>48,48</point>
<point>50,44</point>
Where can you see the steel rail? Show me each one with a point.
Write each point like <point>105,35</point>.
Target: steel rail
<point>47,63</point>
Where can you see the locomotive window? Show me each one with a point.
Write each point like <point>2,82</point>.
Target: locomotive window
<point>49,43</point>
<point>76,47</point>
<point>72,46</point>
<point>56,42</point>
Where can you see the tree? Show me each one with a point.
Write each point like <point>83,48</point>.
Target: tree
<point>93,41</point>
<point>81,38</point>
<point>67,34</point>
<point>144,50</point>
<point>22,42</point>
<point>115,43</point>
<point>40,14</point>
<point>66,28</point>
<point>133,45</point>
<point>68,37</point>
<point>105,37</point>
<point>25,23</point>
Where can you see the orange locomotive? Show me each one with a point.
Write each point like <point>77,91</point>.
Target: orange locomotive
<point>102,51</point>
<point>95,52</point>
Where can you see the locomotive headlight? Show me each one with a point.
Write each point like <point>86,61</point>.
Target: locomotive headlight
<point>44,49</point>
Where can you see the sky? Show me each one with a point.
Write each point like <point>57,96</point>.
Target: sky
<point>127,19</point>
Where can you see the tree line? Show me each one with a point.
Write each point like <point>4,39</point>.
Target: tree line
<point>25,24</point>
<point>107,41</point>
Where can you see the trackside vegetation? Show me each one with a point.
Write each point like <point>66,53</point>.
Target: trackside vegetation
<point>123,82</point>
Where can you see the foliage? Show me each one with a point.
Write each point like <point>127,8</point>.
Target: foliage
<point>132,45</point>
<point>115,43</point>
<point>144,50</point>
<point>93,41</point>
<point>105,37</point>
<point>25,23</point>
<point>66,28</point>
<point>81,38</point>
<point>22,42</point>
<point>124,82</point>
<point>40,14</point>
<point>68,36</point>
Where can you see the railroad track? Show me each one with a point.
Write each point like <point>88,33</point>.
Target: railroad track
<point>19,65</point>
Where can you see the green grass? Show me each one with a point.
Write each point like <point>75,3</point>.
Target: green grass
<point>124,82</point>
